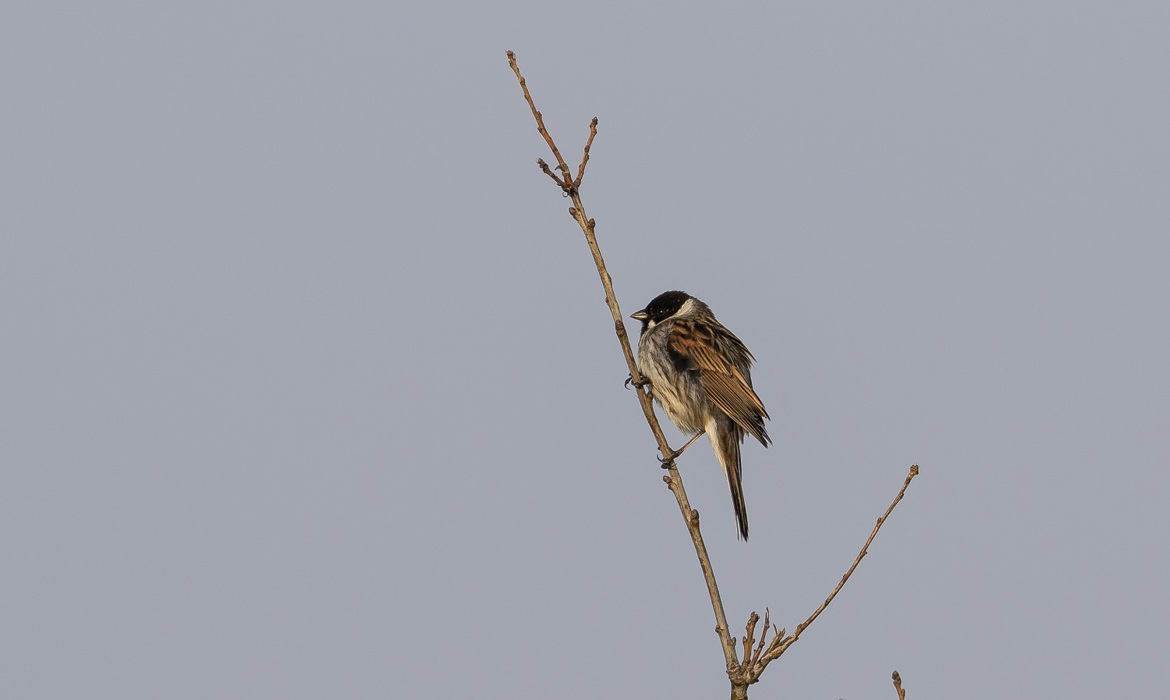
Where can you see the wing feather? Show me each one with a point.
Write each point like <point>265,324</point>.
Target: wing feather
<point>696,347</point>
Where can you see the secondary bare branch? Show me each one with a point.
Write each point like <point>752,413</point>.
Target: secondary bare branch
<point>780,643</point>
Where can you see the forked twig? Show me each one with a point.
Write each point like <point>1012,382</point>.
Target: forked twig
<point>540,125</point>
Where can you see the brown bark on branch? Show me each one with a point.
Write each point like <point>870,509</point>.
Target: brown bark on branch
<point>571,187</point>
<point>756,654</point>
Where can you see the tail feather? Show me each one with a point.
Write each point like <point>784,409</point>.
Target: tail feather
<point>726,438</point>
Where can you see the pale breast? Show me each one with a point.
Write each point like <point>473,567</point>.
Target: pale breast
<point>679,393</point>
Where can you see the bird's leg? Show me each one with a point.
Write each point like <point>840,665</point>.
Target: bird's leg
<point>668,461</point>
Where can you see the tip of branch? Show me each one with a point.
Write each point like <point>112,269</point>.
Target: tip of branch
<point>898,686</point>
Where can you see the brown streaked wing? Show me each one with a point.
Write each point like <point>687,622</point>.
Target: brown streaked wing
<point>725,384</point>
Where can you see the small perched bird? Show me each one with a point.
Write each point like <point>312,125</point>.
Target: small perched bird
<point>700,374</point>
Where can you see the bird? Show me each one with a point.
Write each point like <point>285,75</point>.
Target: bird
<point>700,373</point>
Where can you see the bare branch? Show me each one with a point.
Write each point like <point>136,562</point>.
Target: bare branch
<point>673,480</point>
<point>540,122</point>
<point>755,660</point>
<point>780,643</point>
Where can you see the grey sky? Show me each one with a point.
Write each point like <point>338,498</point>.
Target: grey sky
<point>309,389</point>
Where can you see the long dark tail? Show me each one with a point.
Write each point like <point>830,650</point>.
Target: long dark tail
<point>726,437</point>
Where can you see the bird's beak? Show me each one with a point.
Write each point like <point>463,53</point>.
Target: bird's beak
<point>640,315</point>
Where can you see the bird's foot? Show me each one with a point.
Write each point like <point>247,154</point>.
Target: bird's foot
<point>668,460</point>
<point>630,380</point>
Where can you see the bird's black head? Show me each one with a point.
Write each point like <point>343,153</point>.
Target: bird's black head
<point>661,308</point>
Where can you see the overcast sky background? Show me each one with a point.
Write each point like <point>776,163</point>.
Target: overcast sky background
<point>308,388</point>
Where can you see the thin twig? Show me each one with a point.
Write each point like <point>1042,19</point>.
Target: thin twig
<point>749,634</point>
<point>755,657</point>
<point>585,155</point>
<point>673,480</point>
<point>780,643</point>
<point>898,686</point>
<point>539,117</point>
<point>548,171</point>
